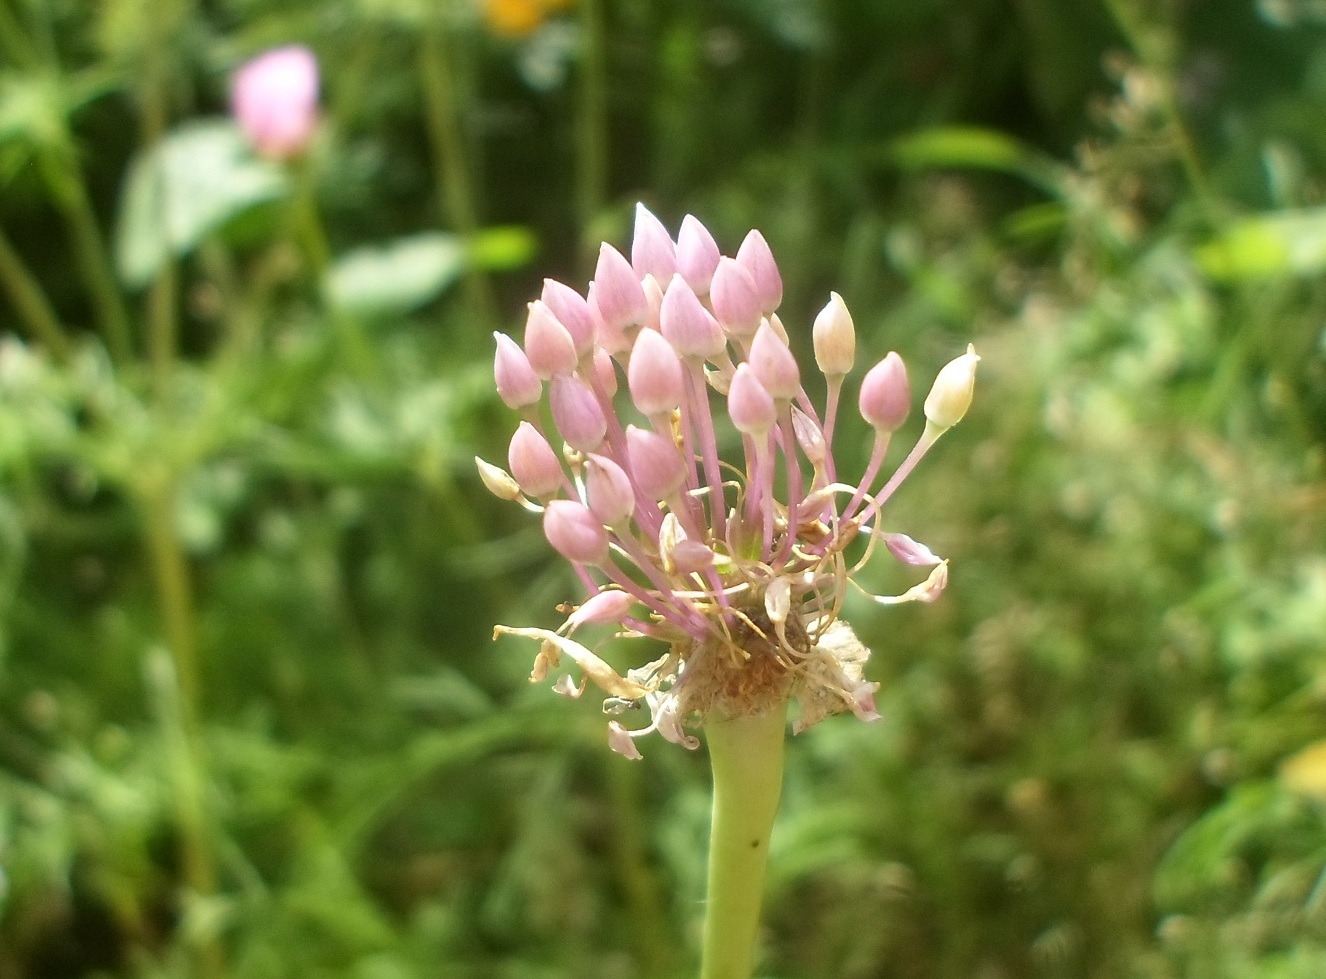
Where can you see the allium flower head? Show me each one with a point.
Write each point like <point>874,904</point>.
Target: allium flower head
<point>736,561</point>
<point>274,98</point>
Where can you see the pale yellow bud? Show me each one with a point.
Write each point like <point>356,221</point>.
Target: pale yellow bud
<point>498,481</point>
<point>835,338</point>
<point>950,396</point>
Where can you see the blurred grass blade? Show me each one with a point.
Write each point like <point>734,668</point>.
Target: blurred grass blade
<point>1268,246</point>
<point>976,148</point>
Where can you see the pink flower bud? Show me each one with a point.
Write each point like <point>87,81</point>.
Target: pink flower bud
<point>774,364</point>
<point>758,260</point>
<point>611,495</point>
<point>517,384</point>
<point>835,338</point>
<point>576,413</point>
<point>274,99</point>
<point>697,254</point>
<point>574,532</point>
<point>687,325</point>
<point>657,468</point>
<point>533,462</point>
<point>886,397</point>
<point>652,250</point>
<point>749,405</point>
<point>606,606</point>
<point>617,292</point>
<point>733,296</point>
<point>548,344</point>
<point>653,302</point>
<point>909,551</point>
<point>690,556</point>
<point>654,374</point>
<point>572,311</point>
<point>950,396</point>
<point>605,373</point>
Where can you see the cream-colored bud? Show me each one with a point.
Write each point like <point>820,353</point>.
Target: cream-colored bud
<point>835,338</point>
<point>498,480</point>
<point>950,396</point>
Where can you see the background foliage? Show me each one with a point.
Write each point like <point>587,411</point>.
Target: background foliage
<point>251,721</point>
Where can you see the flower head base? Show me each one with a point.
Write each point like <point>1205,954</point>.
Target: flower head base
<point>274,98</point>
<point>739,566</point>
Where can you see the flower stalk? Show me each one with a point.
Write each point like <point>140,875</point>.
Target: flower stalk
<point>746,754</point>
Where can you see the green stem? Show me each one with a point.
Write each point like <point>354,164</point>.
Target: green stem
<point>746,754</point>
<point>60,169</point>
<point>170,569</point>
<point>450,164</point>
<point>30,302</point>
<point>591,129</point>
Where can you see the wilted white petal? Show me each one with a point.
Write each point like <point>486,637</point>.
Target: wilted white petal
<point>927,591</point>
<point>603,675</point>
<point>620,741</point>
<point>567,687</point>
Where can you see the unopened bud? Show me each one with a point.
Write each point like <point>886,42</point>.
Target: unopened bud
<point>886,397</point>
<point>652,249</point>
<point>774,364</point>
<point>687,325</point>
<point>517,384</point>
<point>734,298</point>
<point>950,396</point>
<point>750,406</point>
<point>697,254</point>
<point>533,462</point>
<point>835,338</point>
<point>574,532</point>
<point>611,495</point>
<point>758,259</point>
<point>497,480</point>
<point>576,413</point>
<point>616,291</point>
<point>657,468</point>
<point>572,311</point>
<point>548,343</point>
<point>654,374</point>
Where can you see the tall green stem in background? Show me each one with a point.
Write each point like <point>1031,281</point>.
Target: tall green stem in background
<point>451,164</point>
<point>188,771</point>
<point>591,128</point>
<point>30,301</point>
<point>746,754</point>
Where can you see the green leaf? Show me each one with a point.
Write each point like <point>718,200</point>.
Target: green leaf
<point>193,182</point>
<point>501,248</point>
<point>1269,246</point>
<point>397,277</point>
<point>973,147</point>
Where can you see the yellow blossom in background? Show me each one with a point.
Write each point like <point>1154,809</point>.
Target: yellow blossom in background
<point>518,18</point>
<point>1305,772</point>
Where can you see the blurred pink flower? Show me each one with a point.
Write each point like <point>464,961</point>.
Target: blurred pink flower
<point>274,98</point>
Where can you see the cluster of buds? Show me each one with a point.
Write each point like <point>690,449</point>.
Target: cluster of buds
<point>740,568</point>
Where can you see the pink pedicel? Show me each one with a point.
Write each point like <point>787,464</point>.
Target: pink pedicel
<point>703,508</point>
<point>274,99</point>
